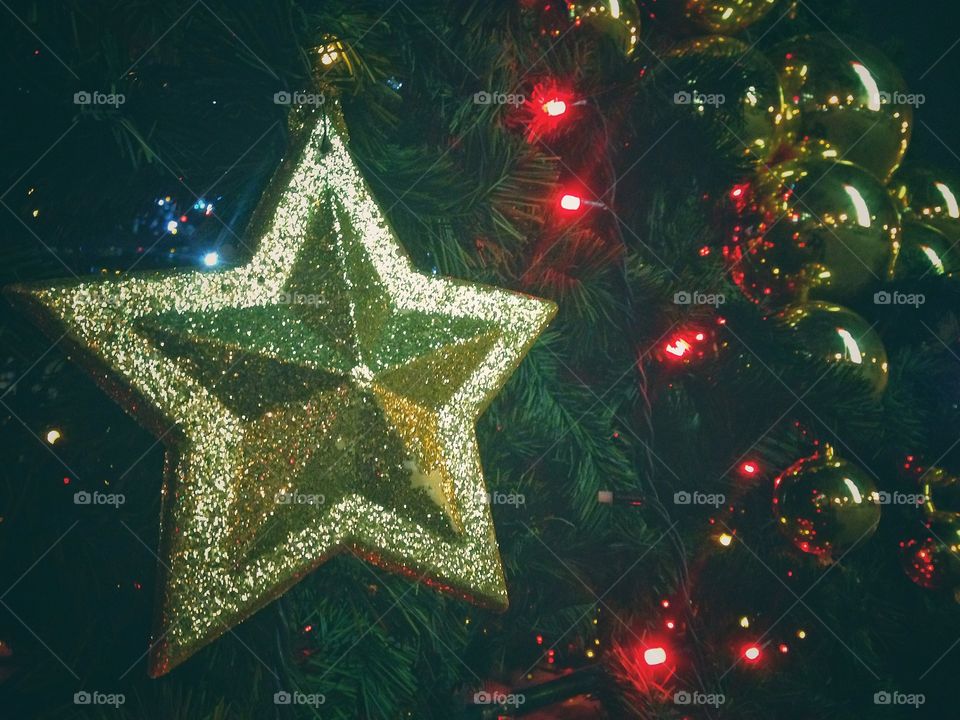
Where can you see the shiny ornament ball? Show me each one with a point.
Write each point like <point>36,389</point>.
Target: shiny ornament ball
<point>926,252</point>
<point>726,81</point>
<point>848,95</point>
<point>617,20</point>
<point>932,560</point>
<point>813,230</point>
<point>941,492</point>
<point>727,16</point>
<point>825,505</point>
<point>931,197</point>
<point>836,335</point>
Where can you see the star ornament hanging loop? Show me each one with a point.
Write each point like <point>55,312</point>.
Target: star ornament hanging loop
<point>320,398</point>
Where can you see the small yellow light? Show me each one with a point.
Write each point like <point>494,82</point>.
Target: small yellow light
<point>330,53</point>
<point>744,622</point>
<point>801,634</point>
<point>590,653</point>
<point>53,436</point>
<point>36,213</point>
<point>725,539</point>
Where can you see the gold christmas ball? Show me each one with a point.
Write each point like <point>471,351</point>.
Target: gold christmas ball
<point>941,492</point>
<point>931,197</point>
<point>812,230</point>
<point>726,17</point>
<point>848,95</point>
<point>925,251</point>
<point>725,80</point>
<point>825,505</point>
<point>932,559</point>
<point>836,335</point>
<point>617,20</point>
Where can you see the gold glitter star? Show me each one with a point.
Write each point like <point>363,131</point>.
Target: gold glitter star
<point>321,397</point>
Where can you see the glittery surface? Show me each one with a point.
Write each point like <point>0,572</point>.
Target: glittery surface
<point>321,397</point>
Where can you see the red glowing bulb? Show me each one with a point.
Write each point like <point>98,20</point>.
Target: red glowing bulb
<point>751,653</point>
<point>654,656</point>
<point>678,348</point>
<point>749,468</point>
<point>554,107</point>
<point>570,202</point>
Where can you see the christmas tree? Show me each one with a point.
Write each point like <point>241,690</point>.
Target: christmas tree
<point>356,467</point>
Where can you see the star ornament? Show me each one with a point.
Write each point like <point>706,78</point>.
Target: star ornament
<point>318,399</point>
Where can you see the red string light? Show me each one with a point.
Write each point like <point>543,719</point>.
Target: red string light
<point>554,107</point>
<point>549,110</point>
<point>654,656</point>
<point>678,347</point>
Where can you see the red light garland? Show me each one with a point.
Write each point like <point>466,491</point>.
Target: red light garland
<point>549,109</point>
<point>655,656</point>
<point>554,107</point>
